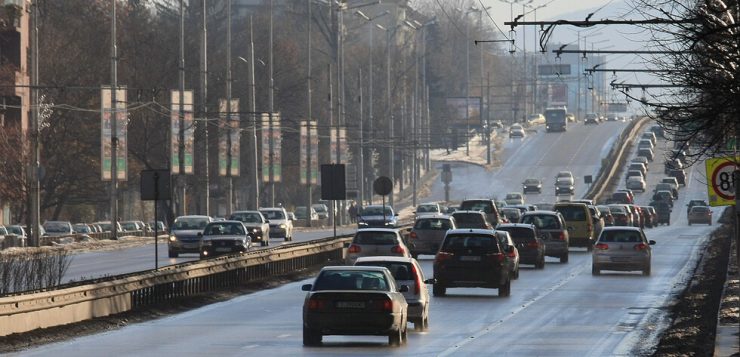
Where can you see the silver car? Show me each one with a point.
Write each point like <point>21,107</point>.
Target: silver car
<point>427,234</point>
<point>257,225</point>
<point>636,183</point>
<point>281,226</point>
<point>224,237</point>
<point>406,271</point>
<point>553,231</point>
<point>185,234</point>
<point>622,249</point>
<point>376,241</point>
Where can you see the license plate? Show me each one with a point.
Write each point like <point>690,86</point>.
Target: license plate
<point>351,305</point>
<point>470,258</point>
<point>620,259</point>
<point>223,249</point>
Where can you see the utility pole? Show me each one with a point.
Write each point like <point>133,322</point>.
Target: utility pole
<point>488,118</point>
<point>391,154</point>
<point>180,117</point>
<point>229,159</point>
<point>271,95</point>
<point>204,103</point>
<point>467,85</point>
<point>253,114</point>
<point>362,146</point>
<point>114,129</point>
<point>309,164</point>
<point>35,204</point>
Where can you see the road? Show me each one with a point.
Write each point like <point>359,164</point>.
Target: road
<point>560,311</point>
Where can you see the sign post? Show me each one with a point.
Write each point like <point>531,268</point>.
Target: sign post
<point>155,186</point>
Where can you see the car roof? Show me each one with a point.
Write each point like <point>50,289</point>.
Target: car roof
<point>193,216</point>
<point>468,212</point>
<point>377,230</point>
<point>226,221</point>
<point>621,228</point>
<point>384,258</point>
<point>518,225</point>
<point>531,213</point>
<point>354,268</point>
<point>470,230</point>
<point>434,216</point>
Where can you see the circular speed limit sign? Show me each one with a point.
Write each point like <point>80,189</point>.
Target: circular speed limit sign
<point>721,181</point>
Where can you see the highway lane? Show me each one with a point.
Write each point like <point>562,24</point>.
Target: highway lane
<point>562,310</point>
<point>96,264</point>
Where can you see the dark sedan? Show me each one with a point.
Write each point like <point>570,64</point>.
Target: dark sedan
<point>354,300</point>
<point>532,185</point>
<point>530,245</point>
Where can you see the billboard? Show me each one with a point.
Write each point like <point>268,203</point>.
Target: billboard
<point>228,140</point>
<point>271,148</point>
<point>108,113</point>
<point>188,131</point>
<point>309,140</point>
<point>456,110</point>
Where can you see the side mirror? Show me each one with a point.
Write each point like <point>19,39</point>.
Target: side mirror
<point>430,281</point>
<point>403,289</point>
<point>267,221</point>
<point>200,234</point>
<point>395,214</point>
<point>307,287</point>
<point>651,242</point>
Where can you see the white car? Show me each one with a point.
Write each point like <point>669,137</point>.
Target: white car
<point>516,131</point>
<point>514,198</point>
<point>281,226</point>
<point>636,183</point>
<point>565,175</point>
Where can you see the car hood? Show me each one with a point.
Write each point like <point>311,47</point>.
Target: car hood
<point>224,237</point>
<point>253,224</point>
<point>186,232</point>
<point>377,218</point>
<point>277,222</point>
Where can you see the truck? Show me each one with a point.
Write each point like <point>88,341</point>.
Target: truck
<point>556,119</point>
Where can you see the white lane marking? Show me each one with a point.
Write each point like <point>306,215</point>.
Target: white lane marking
<point>284,335</point>
<point>488,329</point>
<point>249,347</point>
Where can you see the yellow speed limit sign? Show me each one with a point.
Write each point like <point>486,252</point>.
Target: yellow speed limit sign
<point>721,180</point>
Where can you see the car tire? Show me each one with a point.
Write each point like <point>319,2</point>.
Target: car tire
<point>540,264</point>
<point>311,338</point>
<point>646,271</point>
<point>516,274</point>
<point>425,323</point>
<point>172,254</point>
<point>505,290</point>
<point>405,334</point>
<point>595,270</point>
<point>589,246</point>
<point>439,290</point>
<point>395,338</point>
<point>564,258</point>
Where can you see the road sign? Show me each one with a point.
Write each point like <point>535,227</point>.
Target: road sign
<point>721,180</point>
<point>383,185</point>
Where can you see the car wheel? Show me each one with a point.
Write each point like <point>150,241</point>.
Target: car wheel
<point>439,290</point>
<point>404,334</point>
<point>311,338</point>
<point>589,247</point>
<point>646,271</point>
<point>395,337</point>
<point>540,264</point>
<point>595,270</point>
<point>425,323</point>
<point>689,222</point>
<point>516,274</point>
<point>172,254</point>
<point>505,290</point>
<point>564,258</point>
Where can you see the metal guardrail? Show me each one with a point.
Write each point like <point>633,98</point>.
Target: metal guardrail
<point>86,300</point>
<point>616,157</point>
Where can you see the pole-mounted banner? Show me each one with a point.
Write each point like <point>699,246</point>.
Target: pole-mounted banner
<point>107,114</point>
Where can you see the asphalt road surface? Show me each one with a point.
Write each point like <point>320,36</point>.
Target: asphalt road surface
<point>560,311</point>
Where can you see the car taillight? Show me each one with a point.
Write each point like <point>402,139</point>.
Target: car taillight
<point>354,249</point>
<point>387,305</point>
<point>316,304</point>
<point>641,246</point>
<point>417,280</point>
<point>397,249</point>
<point>534,245</point>
<point>511,254</point>
<point>443,256</point>
<point>497,257</point>
<point>412,235</point>
<point>601,246</point>
<point>561,236</point>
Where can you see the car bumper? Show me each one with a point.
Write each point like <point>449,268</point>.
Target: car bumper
<point>415,311</point>
<point>184,246</point>
<point>621,263</point>
<point>349,323</point>
<point>556,248</point>
<point>580,241</point>
<point>469,278</point>
<point>419,247</point>
<point>529,257</point>
<point>216,251</point>
<point>257,237</point>
<point>277,232</point>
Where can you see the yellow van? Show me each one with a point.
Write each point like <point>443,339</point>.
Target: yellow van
<point>579,221</point>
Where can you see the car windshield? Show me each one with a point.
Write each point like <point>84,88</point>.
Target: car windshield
<point>399,270</point>
<point>376,211</point>
<point>351,280</point>
<point>129,226</point>
<point>616,236</point>
<point>531,182</point>
<point>15,230</point>
<point>248,217</point>
<point>224,228</point>
<point>565,174</point>
<point>427,208</point>
<point>433,224</point>
<point>190,223</point>
<point>56,227</point>
<point>376,238</point>
<point>273,214</point>
<point>542,221</point>
<point>483,206</point>
<point>479,243</point>
<point>513,196</point>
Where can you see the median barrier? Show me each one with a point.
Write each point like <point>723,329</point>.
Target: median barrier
<point>86,300</point>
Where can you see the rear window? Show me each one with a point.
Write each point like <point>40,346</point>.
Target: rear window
<point>427,209</point>
<point>519,234</point>
<point>572,213</point>
<point>544,221</point>
<point>699,209</point>
<point>466,219</point>
<point>376,238</point>
<point>400,271</point>
<point>473,242</point>
<point>433,224</point>
<point>484,206</point>
<point>620,237</point>
<point>351,280</point>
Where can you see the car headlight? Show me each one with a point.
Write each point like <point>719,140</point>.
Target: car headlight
<point>282,225</point>
<point>362,223</point>
<point>173,238</point>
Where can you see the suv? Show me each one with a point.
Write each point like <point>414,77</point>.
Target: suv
<point>486,206</point>
<point>377,216</point>
<point>552,229</point>
<point>579,221</point>
<point>693,203</point>
<point>185,235</point>
<point>281,226</point>
<point>471,258</point>
<point>528,242</point>
<point>563,185</point>
<point>258,227</point>
<point>427,234</point>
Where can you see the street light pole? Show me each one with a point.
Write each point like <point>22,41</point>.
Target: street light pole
<point>253,114</point>
<point>271,95</point>
<point>114,129</point>
<point>467,85</point>
<point>308,121</point>
<point>203,105</point>
<point>35,204</point>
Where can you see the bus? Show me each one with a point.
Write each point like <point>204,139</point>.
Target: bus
<point>555,119</point>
